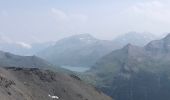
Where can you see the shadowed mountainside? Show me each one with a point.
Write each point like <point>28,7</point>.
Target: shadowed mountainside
<point>11,60</point>
<point>135,73</point>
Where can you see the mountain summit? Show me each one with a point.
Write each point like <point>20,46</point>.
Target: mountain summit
<point>81,50</point>
<point>135,38</point>
<point>159,46</point>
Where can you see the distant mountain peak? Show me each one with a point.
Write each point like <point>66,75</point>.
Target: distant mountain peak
<point>77,50</point>
<point>159,46</point>
<point>77,39</point>
<point>132,50</point>
<point>167,36</point>
<point>130,47</point>
<point>134,38</point>
<point>84,36</point>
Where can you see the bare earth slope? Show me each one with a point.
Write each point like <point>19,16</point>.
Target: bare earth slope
<point>35,84</point>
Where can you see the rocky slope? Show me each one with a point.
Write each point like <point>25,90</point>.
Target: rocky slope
<point>36,84</point>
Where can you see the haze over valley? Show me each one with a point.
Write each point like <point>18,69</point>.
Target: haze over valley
<point>84,50</point>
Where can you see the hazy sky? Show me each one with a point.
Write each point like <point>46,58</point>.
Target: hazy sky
<point>45,20</point>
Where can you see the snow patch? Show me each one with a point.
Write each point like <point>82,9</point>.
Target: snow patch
<point>24,45</point>
<point>53,97</point>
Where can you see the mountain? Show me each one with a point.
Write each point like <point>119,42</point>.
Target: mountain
<point>135,73</point>
<point>81,50</point>
<point>135,38</point>
<point>159,46</point>
<point>21,48</point>
<point>11,60</point>
<point>38,84</point>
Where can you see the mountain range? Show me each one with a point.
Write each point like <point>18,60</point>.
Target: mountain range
<point>123,72</point>
<point>135,73</point>
<point>83,50</point>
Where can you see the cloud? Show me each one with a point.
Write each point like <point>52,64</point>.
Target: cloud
<point>59,14</point>
<point>7,40</point>
<point>152,10</point>
<point>24,45</point>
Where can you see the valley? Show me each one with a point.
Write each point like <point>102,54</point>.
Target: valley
<point>122,71</point>
<point>84,50</point>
